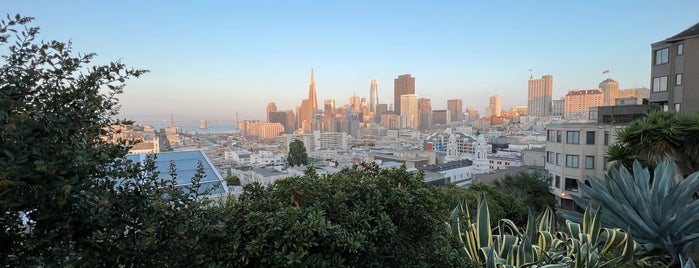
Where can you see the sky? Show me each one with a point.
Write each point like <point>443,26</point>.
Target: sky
<point>215,59</point>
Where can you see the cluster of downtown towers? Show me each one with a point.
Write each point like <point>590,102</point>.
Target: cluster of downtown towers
<point>407,110</point>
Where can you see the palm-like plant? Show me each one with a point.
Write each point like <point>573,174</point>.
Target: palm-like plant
<point>659,136</point>
<point>660,215</point>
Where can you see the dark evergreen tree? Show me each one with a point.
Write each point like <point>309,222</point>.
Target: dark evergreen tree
<point>297,154</point>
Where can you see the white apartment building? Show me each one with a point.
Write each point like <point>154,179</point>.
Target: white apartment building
<point>576,152</point>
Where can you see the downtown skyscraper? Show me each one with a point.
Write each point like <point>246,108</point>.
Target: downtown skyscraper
<point>308,108</point>
<point>373,95</point>
<point>403,85</point>
<point>455,108</point>
<point>540,96</point>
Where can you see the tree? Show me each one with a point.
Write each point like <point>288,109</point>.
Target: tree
<point>233,180</point>
<point>297,154</point>
<point>502,206</point>
<point>53,115</point>
<point>359,217</point>
<point>659,136</point>
<point>529,189</point>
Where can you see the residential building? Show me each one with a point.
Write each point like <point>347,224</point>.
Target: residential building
<point>283,118</point>
<point>578,102</point>
<point>457,172</point>
<point>675,72</point>
<point>404,84</point>
<point>270,131</point>
<point>557,108</point>
<point>540,96</point>
<point>576,152</point>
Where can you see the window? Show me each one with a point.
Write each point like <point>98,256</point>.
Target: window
<point>558,135</point>
<point>571,185</point>
<point>590,137</point>
<point>677,107</point>
<point>678,80</point>
<point>558,182</point>
<point>589,162</point>
<point>558,159</point>
<point>572,161</point>
<point>606,138</point>
<point>573,137</point>
<point>550,157</point>
<point>680,49</point>
<point>661,56</point>
<point>551,135</point>
<point>660,84</point>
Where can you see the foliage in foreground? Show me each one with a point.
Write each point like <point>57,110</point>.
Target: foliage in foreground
<point>360,217</point>
<point>540,244</point>
<point>659,136</point>
<point>662,216</point>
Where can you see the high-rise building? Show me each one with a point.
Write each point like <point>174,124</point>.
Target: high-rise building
<point>472,113</point>
<point>440,117</point>
<point>408,111</point>
<point>455,107</point>
<point>424,106</point>
<point>494,108</point>
<point>329,108</point>
<point>308,107</point>
<point>404,84</point>
<point>355,104</point>
<point>578,102</point>
<point>271,107</point>
<point>540,96</point>
<point>373,95</point>
<point>610,90</point>
<point>675,72</point>
<point>381,108</point>
<point>282,117</point>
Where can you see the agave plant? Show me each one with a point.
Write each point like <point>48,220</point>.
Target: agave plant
<point>661,215</point>
<point>539,245</point>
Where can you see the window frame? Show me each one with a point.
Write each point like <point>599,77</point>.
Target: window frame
<point>589,162</point>
<point>559,158</point>
<point>558,182</point>
<point>659,84</point>
<point>572,161</point>
<point>680,49</point>
<point>559,134</point>
<point>662,56</point>
<point>590,139</point>
<point>573,182</point>
<point>678,79</point>
<point>573,139</point>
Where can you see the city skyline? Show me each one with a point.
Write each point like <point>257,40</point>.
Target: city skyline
<point>211,61</point>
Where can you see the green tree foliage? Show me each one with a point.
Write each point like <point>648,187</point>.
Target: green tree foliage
<point>233,181</point>
<point>659,136</point>
<point>529,189</point>
<point>297,154</point>
<point>359,217</point>
<point>67,197</point>
<point>661,215</point>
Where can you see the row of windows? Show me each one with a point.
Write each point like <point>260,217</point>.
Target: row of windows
<point>570,184</point>
<point>660,82</point>
<point>572,160</point>
<point>662,56</point>
<point>573,137</point>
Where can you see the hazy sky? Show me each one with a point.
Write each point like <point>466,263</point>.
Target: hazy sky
<point>211,59</point>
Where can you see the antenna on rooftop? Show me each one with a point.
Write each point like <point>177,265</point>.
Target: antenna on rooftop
<point>531,76</point>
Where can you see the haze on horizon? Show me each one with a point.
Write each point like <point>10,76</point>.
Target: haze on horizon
<point>211,60</point>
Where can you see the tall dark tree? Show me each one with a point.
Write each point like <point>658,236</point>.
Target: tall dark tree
<point>529,189</point>
<point>297,154</point>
